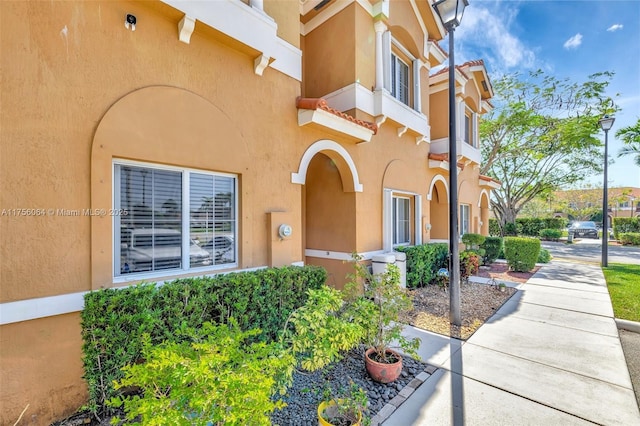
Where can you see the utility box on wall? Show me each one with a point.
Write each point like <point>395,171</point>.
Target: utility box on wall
<point>281,236</point>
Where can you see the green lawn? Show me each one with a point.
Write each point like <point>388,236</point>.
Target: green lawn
<point>624,287</point>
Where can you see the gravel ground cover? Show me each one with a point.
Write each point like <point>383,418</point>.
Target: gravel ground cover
<point>305,394</point>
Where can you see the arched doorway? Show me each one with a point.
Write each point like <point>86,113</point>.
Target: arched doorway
<point>331,182</point>
<point>438,197</point>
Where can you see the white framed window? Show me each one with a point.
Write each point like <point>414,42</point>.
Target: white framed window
<point>399,79</point>
<point>465,216</point>
<point>470,128</point>
<point>172,219</point>
<point>401,220</point>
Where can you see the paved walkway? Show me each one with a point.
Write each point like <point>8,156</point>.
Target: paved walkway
<point>550,355</point>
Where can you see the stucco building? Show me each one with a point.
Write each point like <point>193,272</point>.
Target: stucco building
<point>181,144</point>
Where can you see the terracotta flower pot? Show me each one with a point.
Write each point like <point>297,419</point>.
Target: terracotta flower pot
<point>330,408</point>
<point>381,372</point>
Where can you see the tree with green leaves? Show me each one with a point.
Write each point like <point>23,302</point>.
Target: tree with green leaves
<point>541,135</point>
<point>630,135</point>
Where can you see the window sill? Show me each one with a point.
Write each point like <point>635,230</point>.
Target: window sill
<point>172,274</point>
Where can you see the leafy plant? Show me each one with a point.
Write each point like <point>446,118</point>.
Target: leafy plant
<point>219,378</point>
<point>323,328</point>
<point>423,261</point>
<point>544,256</point>
<point>630,238</point>
<point>492,247</point>
<point>345,406</point>
<point>385,300</point>
<point>114,320</point>
<point>469,265</point>
<point>521,253</point>
<point>550,234</point>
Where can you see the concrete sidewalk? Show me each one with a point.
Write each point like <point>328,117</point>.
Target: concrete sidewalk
<point>550,355</point>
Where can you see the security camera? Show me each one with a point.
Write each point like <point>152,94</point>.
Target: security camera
<point>130,20</point>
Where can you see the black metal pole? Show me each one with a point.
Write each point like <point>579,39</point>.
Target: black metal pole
<point>454,257</point>
<point>605,202</point>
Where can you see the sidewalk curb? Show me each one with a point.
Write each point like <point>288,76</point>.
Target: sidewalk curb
<point>628,325</point>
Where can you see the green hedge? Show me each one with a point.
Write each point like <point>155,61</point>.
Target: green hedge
<point>544,256</point>
<point>625,225</point>
<point>630,238</point>
<point>550,234</point>
<point>492,247</point>
<point>114,320</point>
<point>521,253</point>
<point>423,261</point>
<point>527,226</point>
<point>494,228</point>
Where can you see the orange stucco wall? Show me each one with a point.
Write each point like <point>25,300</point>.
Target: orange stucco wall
<point>79,90</point>
<point>41,367</point>
<point>329,59</point>
<point>439,114</point>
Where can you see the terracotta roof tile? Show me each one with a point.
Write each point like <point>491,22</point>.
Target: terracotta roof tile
<point>444,157</point>
<point>489,178</point>
<point>320,103</point>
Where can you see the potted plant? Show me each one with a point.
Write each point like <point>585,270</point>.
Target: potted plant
<point>380,304</point>
<point>344,407</point>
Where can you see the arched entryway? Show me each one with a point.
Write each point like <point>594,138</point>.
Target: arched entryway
<point>483,204</point>
<point>438,197</point>
<point>331,182</point>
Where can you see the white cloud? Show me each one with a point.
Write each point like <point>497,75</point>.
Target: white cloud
<point>615,27</point>
<point>573,42</point>
<point>491,36</point>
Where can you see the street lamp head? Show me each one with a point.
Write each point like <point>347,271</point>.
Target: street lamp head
<point>606,122</point>
<point>450,12</point>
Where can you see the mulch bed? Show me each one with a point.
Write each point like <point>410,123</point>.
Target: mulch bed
<point>478,302</point>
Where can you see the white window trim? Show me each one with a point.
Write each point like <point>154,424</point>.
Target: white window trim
<point>387,217</point>
<point>186,237</point>
<point>395,224</point>
<point>462,228</point>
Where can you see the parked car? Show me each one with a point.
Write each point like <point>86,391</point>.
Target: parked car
<point>153,249</point>
<point>221,248</point>
<point>586,229</point>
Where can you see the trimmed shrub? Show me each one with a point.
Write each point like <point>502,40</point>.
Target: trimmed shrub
<point>511,229</point>
<point>494,228</point>
<point>492,247</point>
<point>473,241</point>
<point>555,223</point>
<point>521,253</point>
<point>548,234</point>
<point>544,256</point>
<point>630,238</point>
<point>530,226</point>
<point>625,225</point>
<point>423,262</point>
<point>114,320</point>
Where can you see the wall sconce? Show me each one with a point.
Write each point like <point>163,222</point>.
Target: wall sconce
<point>427,227</point>
<point>481,223</point>
<point>130,20</point>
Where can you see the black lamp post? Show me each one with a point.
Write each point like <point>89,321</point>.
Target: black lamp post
<point>450,13</point>
<point>606,123</point>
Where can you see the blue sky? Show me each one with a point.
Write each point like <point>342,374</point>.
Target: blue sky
<point>568,39</point>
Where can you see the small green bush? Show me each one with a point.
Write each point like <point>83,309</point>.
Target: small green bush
<point>511,229</point>
<point>423,262</point>
<point>114,320</point>
<point>494,228</point>
<point>222,377</point>
<point>473,241</point>
<point>555,223</point>
<point>630,238</point>
<point>548,234</point>
<point>521,253</point>
<point>625,225</point>
<point>492,247</point>
<point>544,256</point>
